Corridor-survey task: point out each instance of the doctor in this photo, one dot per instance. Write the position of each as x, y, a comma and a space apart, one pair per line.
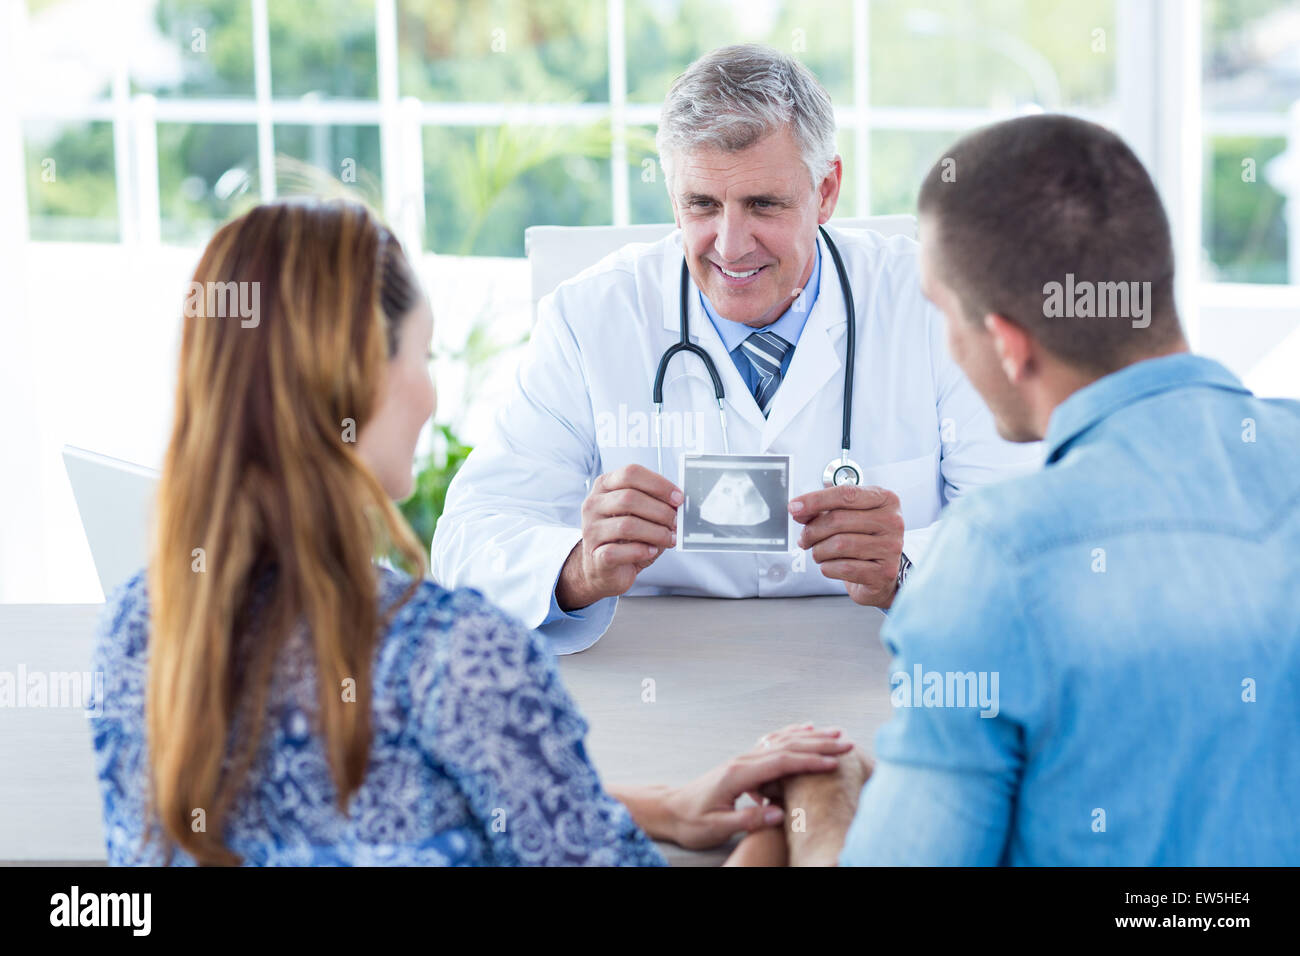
565, 506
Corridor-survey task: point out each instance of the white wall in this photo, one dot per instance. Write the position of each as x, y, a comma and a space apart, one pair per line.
1255, 331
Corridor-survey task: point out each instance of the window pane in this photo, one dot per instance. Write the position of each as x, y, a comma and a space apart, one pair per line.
483, 186
1244, 229
71, 191
1250, 66
486, 51
206, 175
197, 48
899, 161
1251, 55
647, 193
665, 36
325, 47
327, 159
847, 205
65, 56
996, 54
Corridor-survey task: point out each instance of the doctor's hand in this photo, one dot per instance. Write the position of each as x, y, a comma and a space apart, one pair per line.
856, 536
628, 520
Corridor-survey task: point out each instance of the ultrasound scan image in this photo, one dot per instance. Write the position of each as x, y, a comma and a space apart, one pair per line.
735, 500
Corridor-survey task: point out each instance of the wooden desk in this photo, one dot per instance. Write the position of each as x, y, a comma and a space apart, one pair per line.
724, 672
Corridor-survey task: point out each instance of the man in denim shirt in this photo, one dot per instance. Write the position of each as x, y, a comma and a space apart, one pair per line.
1100, 664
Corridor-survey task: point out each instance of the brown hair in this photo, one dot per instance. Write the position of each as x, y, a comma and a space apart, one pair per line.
1023, 203
261, 474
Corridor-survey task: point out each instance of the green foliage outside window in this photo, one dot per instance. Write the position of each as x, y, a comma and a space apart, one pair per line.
941, 53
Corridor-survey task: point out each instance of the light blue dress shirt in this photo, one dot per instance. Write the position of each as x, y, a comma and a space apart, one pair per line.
1138, 602
789, 326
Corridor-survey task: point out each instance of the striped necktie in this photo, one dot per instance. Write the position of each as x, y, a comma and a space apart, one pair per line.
766, 351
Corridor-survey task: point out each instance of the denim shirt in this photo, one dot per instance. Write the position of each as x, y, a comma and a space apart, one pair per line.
1127, 621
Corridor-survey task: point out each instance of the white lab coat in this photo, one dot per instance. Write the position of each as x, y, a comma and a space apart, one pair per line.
581, 406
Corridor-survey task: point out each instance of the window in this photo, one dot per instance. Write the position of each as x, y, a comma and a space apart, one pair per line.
191, 49
471, 119
206, 173
526, 112
1251, 98
71, 186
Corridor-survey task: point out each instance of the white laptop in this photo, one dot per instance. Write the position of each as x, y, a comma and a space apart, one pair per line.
115, 499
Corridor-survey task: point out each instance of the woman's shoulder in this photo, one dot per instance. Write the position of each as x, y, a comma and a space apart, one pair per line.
462, 635
459, 615
432, 628
431, 608
119, 654
124, 622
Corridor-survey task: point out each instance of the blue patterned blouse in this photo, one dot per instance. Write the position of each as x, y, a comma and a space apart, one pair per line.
477, 758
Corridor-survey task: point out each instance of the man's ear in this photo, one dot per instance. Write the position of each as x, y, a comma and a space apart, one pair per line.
828, 192
1012, 344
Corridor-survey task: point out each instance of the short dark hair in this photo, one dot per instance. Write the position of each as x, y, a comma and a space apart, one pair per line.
1046, 199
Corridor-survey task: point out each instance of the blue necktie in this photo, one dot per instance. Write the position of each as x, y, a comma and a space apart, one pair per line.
766, 351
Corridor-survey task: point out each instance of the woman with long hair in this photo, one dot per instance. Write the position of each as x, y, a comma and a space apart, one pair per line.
273, 693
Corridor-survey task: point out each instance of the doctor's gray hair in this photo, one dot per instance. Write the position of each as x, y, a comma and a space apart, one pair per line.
732, 97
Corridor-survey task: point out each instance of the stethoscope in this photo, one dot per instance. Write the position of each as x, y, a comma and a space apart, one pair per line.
841, 470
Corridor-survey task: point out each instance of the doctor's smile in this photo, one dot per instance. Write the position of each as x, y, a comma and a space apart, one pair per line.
737, 278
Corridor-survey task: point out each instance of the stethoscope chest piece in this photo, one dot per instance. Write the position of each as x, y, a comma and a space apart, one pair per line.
842, 471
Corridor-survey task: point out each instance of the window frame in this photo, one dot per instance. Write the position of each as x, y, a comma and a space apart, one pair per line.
1156, 107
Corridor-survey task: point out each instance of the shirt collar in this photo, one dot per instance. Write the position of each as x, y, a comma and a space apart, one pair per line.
1110, 393
789, 326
